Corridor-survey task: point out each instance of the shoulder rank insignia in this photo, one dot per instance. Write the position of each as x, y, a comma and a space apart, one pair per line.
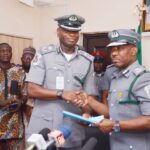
36, 59
47, 49
138, 71
86, 55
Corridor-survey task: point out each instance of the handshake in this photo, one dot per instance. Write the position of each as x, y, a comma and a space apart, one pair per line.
78, 98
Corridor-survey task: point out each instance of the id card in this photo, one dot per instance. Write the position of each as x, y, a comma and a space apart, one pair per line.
59, 82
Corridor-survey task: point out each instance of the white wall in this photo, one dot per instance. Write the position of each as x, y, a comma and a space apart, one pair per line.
19, 19
100, 15
146, 51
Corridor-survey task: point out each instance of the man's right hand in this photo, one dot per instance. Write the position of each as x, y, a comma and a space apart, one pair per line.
78, 98
6, 103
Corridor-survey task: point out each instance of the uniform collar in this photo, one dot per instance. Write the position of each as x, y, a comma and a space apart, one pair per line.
99, 74
126, 72
59, 50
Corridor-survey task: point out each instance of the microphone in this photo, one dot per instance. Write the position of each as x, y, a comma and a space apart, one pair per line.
44, 132
37, 141
90, 144
57, 137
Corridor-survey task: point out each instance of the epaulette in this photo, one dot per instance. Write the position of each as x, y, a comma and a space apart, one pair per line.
110, 66
138, 71
48, 49
86, 55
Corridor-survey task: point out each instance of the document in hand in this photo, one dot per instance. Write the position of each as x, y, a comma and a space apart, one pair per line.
91, 120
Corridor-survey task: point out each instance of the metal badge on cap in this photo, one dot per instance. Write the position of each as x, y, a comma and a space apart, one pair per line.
114, 34
73, 18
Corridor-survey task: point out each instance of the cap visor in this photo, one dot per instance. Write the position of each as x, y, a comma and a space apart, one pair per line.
116, 44
70, 28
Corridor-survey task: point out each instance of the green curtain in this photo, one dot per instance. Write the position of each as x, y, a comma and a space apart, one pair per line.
148, 2
139, 54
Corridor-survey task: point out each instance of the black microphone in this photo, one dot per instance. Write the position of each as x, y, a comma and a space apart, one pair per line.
38, 141
90, 144
52, 147
44, 132
48, 140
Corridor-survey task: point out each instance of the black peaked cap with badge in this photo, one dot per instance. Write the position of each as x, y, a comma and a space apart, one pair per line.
123, 37
70, 22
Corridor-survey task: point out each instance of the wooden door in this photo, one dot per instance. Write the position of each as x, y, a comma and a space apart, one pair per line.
96, 41
17, 44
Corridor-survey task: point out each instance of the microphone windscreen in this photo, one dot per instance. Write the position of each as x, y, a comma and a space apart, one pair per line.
66, 131
14, 89
90, 144
44, 132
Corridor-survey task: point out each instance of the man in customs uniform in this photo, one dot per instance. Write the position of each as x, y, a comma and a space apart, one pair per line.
129, 95
57, 77
99, 66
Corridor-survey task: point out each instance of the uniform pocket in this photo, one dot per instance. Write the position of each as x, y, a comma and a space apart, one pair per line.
39, 120
51, 73
44, 118
78, 79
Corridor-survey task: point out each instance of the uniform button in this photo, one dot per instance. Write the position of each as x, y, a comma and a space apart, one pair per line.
131, 147
55, 68
114, 90
112, 105
69, 65
110, 133
68, 81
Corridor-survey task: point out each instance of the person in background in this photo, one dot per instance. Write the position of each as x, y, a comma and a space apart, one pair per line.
99, 68
27, 56
102, 83
59, 78
11, 100
129, 95
99, 64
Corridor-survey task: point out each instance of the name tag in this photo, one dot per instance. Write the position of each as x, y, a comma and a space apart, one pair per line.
59, 82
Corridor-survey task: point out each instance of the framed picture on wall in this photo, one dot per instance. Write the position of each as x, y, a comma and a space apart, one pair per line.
146, 17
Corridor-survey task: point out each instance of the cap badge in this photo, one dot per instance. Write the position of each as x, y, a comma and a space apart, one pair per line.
114, 34
73, 18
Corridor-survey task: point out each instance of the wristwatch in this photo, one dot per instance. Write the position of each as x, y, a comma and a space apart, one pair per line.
116, 127
59, 93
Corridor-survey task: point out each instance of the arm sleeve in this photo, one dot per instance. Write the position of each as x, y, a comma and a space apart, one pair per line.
106, 81
141, 91
37, 70
89, 85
